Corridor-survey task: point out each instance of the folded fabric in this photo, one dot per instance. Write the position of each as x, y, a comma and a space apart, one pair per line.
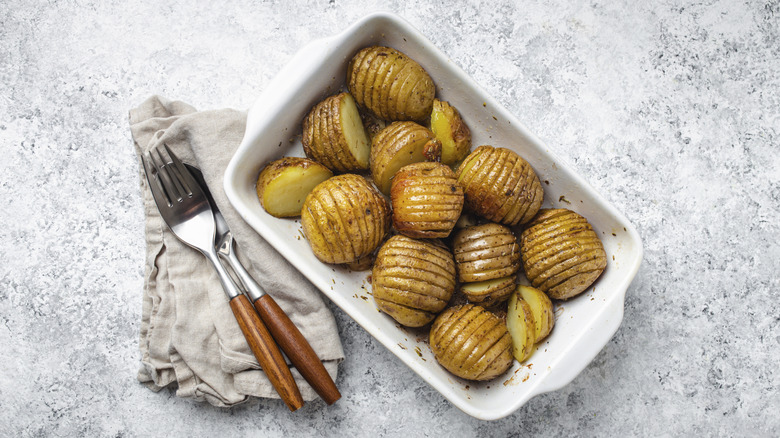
189, 335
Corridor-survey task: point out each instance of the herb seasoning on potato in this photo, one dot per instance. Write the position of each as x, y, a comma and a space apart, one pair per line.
390, 85
426, 199
500, 185
471, 342
333, 134
413, 279
400, 144
562, 255
283, 185
344, 219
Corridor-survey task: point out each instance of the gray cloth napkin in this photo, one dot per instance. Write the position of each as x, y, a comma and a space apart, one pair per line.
188, 332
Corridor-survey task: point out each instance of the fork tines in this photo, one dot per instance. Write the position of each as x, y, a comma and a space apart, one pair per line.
171, 177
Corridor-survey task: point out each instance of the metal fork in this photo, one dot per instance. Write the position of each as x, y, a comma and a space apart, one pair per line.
185, 208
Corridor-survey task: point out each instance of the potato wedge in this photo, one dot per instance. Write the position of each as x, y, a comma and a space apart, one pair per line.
426, 200
562, 254
390, 85
471, 342
283, 185
334, 135
485, 252
344, 219
489, 292
451, 130
397, 145
542, 309
500, 185
521, 326
413, 280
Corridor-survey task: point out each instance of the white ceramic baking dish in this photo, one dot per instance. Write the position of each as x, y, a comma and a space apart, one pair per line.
584, 325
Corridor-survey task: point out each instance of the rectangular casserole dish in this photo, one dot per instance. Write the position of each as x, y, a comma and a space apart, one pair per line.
584, 325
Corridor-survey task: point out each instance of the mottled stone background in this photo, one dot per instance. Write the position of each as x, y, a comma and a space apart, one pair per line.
670, 109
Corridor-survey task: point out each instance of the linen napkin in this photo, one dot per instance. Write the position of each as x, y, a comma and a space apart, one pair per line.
189, 335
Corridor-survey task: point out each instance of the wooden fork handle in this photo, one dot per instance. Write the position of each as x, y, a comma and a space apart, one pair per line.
297, 348
267, 352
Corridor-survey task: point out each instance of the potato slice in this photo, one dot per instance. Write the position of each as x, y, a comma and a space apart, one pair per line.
397, 145
521, 326
451, 130
489, 292
334, 135
542, 309
283, 185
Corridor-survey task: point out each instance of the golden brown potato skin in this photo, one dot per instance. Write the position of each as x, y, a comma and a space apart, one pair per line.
500, 185
471, 342
345, 219
397, 145
499, 291
451, 130
426, 200
324, 138
277, 168
485, 252
390, 84
561, 253
412, 279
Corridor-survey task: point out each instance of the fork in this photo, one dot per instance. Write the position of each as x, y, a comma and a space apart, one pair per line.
185, 208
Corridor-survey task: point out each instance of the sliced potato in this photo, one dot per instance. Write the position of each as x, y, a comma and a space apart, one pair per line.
471, 342
500, 185
334, 135
426, 200
344, 219
521, 326
413, 279
373, 124
542, 309
484, 252
489, 292
451, 130
397, 145
562, 254
390, 84
283, 185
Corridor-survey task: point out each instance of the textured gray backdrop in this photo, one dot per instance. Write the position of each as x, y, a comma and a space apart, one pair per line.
670, 109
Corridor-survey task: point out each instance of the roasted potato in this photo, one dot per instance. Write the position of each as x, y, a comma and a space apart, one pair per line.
426, 200
522, 327
561, 253
397, 145
344, 219
489, 292
283, 185
541, 308
413, 279
390, 85
471, 342
451, 130
500, 185
334, 135
486, 252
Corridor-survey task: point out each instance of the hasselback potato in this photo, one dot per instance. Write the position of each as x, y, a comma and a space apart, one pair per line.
397, 145
390, 84
471, 342
486, 252
561, 253
426, 200
412, 279
500, 185
333, 134
344, 219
